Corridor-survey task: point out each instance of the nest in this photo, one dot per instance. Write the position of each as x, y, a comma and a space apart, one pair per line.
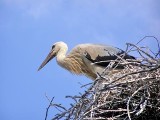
131, 94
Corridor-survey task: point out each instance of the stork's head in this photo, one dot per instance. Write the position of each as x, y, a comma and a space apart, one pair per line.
55, 49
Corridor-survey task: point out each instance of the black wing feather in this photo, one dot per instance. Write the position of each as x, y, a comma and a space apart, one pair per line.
98, 60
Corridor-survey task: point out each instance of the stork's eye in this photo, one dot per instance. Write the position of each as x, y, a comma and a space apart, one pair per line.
53, 46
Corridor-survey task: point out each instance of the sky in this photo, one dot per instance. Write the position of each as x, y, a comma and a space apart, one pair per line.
28, 28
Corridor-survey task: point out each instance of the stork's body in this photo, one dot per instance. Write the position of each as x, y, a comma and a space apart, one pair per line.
85, 59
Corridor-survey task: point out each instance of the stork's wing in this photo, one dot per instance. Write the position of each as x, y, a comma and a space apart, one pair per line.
102, 55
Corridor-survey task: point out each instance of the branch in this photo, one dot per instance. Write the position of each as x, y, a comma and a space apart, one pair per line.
50, 104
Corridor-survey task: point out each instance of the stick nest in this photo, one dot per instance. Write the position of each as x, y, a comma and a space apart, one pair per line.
130, 94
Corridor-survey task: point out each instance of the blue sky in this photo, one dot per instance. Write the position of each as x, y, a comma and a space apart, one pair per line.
28, 28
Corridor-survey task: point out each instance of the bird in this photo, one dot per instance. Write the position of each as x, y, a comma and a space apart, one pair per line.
85, 59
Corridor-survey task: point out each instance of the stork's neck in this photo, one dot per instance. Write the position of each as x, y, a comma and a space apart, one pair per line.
61, 55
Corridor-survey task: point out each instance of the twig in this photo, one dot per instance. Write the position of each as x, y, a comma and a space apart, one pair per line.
142, 51
48, 107
128, 112
85, 85
141, 71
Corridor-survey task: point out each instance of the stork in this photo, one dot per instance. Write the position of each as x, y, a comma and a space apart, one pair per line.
85, 59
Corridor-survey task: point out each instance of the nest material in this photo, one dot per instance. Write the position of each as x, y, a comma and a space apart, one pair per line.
131, 94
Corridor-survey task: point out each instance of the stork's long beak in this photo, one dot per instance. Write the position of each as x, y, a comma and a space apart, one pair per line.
50, 56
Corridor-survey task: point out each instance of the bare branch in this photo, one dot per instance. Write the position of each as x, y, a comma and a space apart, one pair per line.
48, 107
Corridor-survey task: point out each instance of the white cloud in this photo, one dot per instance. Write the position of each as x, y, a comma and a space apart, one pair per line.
39, 9
121, 8
34, 8
77, 11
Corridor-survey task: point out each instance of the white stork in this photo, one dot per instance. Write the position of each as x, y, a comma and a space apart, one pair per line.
85, 59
